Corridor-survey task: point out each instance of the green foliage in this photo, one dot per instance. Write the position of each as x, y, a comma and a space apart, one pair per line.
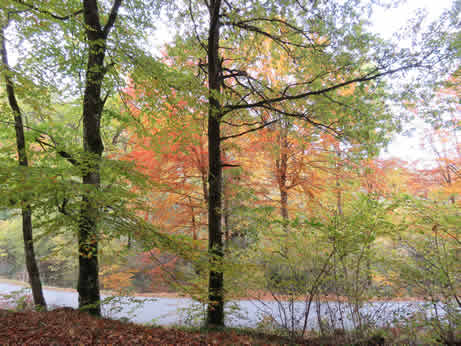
304, 261
55, 255
11, 247
428, 264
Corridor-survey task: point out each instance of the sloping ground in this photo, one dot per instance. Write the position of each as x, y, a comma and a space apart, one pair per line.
66, 326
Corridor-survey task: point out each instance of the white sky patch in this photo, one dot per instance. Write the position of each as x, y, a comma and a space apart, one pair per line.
388, 22
163, 35
408, 146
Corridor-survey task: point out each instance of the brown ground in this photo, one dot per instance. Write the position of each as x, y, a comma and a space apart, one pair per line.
66, 326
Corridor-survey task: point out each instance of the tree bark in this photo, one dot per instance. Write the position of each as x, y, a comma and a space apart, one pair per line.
339, 202
194, 223
88, 279
282, 167
215, 311
226, 213
31, 263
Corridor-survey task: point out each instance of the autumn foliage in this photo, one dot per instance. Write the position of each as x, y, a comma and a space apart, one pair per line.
66, 326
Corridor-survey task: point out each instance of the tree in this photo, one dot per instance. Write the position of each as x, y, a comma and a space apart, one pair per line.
26, 212
331, 80
328, 37
93, 104
65, 39
443, 138
173, 156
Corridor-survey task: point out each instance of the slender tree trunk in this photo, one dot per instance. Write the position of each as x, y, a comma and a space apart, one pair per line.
448, 180
128, 244
215, 312
204, 186
226, 216
31, 264
194, 223
369, 278
284, 204
339, 202
282, 168
88, 279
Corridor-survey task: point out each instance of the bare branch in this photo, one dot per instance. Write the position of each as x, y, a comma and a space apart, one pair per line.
250, 130
277, 22
242, 124
282, 43
304, 117
375, 74
112, 17
25, 126
233, 74
197, 36
53, 15
61, 153
43, 144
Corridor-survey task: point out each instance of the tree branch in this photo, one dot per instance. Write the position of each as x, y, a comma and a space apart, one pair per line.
53, 15
248, 131
367, 77
112, 17
42, 143
197, 36
240, 125
62, 153
303, 116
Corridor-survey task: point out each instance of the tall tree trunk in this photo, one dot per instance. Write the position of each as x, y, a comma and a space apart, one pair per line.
31, 264
215, 312
88, 278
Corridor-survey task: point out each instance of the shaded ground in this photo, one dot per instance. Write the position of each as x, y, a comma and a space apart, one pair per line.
66, 326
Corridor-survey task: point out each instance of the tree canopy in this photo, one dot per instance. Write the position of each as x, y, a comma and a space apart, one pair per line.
252, 139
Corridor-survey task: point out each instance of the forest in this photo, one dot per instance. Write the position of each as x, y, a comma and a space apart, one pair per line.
229, 151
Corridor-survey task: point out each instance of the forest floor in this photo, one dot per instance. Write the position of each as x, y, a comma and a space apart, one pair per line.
66, 326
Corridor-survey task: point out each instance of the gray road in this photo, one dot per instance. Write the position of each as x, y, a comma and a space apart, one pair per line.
248, 313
